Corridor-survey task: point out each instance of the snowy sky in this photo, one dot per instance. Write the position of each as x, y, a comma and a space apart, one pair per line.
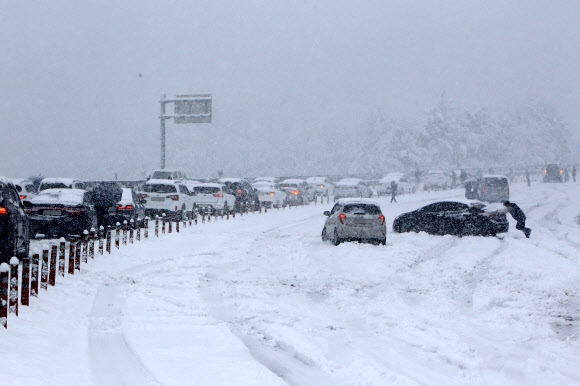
81, 82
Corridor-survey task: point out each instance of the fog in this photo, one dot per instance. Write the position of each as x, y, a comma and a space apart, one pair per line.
81, 83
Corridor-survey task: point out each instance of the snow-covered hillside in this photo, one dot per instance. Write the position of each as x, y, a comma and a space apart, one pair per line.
261, 300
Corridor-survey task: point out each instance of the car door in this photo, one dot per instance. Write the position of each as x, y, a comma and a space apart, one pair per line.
18, 217
332, 220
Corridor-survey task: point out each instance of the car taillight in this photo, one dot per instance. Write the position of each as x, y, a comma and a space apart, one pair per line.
295, 192
382, 219
218, 195
239, 192
174, 197
342, 218
125, 207
272, 194
3, 211
561, 171
22, 196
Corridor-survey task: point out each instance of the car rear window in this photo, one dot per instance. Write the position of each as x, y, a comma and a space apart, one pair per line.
498, 182
55, 185
206, 189
362, 208
160, 188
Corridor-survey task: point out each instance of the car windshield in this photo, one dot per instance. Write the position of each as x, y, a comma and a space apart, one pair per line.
362, 208
206, 189
160, 188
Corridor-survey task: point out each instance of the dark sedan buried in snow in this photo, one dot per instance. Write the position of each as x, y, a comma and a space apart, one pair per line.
355, 219
453, 218
61, 212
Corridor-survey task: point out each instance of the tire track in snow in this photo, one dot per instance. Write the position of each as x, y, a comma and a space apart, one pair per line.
112, 359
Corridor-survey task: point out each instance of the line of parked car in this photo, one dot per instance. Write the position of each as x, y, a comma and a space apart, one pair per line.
61, 207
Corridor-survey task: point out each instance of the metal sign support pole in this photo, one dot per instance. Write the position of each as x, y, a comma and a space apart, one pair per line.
162, 118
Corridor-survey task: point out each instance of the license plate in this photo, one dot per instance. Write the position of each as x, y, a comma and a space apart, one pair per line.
47, 212
157, 198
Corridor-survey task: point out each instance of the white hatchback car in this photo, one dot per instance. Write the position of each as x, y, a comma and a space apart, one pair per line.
351, 187
320, 186
166, 196
212, 198
269, 195
25, 188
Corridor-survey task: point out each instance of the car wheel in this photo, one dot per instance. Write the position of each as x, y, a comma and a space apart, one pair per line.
324, 236
383, 241
225, 208
336, 240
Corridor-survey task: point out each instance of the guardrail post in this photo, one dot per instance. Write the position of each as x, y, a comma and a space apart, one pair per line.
131, 230
163, 223
101, 236
93, 236
34, 274
146, 227
13, 305
170, 225
4, 272
79, 242
25, 291
44, 269
117, 234
108, 241
177, 225
85, 246
71, 256
62, 249
156, 225
138, 235
125, 232
52, 273
202, 217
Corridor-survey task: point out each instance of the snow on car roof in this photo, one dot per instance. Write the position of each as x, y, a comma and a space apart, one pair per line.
349, 182
162, 182
315, 180
51, 180
292, 181
19, 180
209, 184
493, 176
60, 196
229, 180
352, 200
391, 176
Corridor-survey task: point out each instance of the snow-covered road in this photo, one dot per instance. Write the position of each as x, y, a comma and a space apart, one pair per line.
260, 300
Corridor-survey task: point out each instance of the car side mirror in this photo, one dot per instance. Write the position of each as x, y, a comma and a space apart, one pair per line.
326, 213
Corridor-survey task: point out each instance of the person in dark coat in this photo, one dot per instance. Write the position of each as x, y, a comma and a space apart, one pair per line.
393, 190
105, 195
519, 216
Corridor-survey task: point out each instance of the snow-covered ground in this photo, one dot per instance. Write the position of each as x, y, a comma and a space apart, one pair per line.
261, 300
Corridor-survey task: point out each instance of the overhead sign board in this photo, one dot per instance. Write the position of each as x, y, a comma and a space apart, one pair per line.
192, 108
